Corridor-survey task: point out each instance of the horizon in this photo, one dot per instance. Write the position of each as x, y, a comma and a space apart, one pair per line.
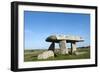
55, 48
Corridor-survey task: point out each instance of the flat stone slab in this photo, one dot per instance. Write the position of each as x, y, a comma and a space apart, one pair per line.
57, 38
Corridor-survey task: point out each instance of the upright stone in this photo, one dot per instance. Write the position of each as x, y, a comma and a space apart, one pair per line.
62, 45
73, 47
67, 50
52, 46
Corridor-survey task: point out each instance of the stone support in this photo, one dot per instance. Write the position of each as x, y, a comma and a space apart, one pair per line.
73, 47
62, 45
52, 46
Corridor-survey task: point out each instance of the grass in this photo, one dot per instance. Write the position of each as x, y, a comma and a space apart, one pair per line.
31, 55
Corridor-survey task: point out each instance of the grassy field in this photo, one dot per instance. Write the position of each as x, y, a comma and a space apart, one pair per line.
31, 55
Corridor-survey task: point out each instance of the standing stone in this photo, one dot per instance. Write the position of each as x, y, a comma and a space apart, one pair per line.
67, 50
62, 45
52, 46
73, 47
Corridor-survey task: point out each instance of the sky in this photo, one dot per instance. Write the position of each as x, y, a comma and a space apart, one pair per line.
39, 25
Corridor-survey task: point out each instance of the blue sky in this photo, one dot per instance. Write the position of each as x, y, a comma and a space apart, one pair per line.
39, 25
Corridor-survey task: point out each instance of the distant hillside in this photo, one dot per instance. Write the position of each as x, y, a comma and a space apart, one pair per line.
56, 49
84, 47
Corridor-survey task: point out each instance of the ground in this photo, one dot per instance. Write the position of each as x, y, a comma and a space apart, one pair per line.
31, 55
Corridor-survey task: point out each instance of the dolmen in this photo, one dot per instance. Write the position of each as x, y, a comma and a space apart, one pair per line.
62, 40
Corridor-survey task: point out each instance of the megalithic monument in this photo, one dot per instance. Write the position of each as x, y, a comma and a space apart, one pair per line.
63, 40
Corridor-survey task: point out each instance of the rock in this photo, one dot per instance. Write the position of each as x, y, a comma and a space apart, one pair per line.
63, 48
46, 55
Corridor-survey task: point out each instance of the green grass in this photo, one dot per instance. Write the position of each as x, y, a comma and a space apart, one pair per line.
31, 55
